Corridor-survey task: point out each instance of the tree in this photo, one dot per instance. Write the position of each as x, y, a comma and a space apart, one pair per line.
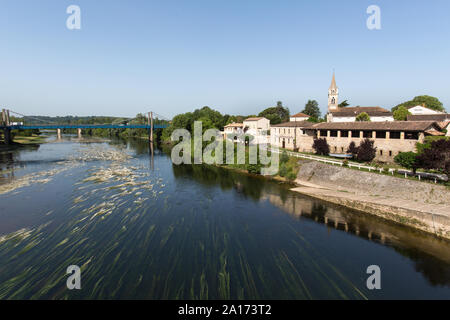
407, 160
401, 114
284, 157
276, 114
429, 102
363, 116
436, 157
366, 151
343, 104
321, 146
312, 109
353, 149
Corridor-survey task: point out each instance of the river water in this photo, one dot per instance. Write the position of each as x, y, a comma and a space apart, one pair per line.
143, 229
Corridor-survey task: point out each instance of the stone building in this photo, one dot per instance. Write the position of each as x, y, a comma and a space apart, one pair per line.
293, 135
389, 138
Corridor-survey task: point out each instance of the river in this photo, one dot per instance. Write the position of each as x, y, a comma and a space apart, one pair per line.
152, 230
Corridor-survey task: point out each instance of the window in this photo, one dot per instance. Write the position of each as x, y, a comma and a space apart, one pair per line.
381, 135
355, 134
333, 133
367, 134
344, 134
395, 135
381, 152
412, 135
390, 153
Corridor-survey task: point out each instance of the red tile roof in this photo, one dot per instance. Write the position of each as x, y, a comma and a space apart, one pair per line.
300, 115
354, 111
297, 124
386, 125
254, 119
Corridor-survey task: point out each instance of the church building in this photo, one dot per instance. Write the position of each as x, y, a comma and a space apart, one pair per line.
349, 114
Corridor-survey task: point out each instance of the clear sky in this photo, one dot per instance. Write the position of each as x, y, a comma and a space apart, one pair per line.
236, 56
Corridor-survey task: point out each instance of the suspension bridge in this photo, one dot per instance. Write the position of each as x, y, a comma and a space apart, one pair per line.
33, 123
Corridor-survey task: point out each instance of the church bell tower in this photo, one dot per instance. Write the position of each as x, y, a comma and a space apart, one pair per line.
333, 96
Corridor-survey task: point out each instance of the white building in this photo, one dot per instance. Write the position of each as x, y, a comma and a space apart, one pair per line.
422, 110
233, 129
258, 127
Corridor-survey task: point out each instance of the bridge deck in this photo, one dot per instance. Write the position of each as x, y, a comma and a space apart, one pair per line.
86, 126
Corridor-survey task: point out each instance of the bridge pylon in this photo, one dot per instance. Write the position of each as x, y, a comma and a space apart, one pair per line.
5, 123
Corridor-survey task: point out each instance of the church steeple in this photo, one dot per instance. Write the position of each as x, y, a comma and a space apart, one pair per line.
333, 82
333, 95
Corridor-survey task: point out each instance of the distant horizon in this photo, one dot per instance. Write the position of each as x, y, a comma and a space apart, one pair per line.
224, 113
236, 57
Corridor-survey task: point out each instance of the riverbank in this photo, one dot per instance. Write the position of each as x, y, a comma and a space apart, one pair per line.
23, 142
416, 204
422, 206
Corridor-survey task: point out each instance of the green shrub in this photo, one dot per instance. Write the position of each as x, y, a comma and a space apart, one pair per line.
254, 168
284, 157
291, 175
407, 160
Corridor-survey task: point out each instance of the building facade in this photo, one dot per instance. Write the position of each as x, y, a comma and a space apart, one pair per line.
293, 135
258, 127
389, 138
233, 129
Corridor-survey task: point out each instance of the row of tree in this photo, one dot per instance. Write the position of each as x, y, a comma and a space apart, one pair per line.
214, 119
74, 120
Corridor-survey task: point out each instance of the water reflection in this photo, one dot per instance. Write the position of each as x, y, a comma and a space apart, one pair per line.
10, 162
430, 255
195, 232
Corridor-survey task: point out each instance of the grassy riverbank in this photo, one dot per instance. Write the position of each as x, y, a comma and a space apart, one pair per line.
23, 142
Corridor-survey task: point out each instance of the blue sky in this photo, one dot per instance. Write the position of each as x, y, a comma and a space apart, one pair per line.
237, 56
